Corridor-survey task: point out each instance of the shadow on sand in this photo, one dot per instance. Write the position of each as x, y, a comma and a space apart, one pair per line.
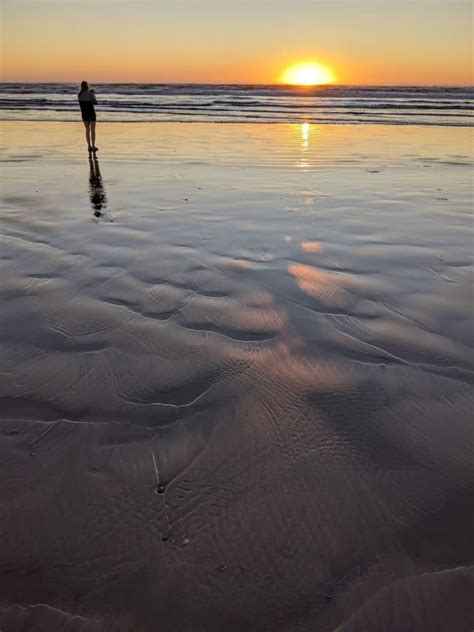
97, 193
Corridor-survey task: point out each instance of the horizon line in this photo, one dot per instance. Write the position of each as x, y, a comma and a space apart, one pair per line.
273, 85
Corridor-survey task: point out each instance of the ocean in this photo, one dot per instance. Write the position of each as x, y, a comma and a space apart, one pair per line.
447, 106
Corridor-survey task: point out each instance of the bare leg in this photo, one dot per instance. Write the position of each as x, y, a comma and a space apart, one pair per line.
88, 133
93, 133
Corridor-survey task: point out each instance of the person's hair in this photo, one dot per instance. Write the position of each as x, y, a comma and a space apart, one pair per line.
84, 87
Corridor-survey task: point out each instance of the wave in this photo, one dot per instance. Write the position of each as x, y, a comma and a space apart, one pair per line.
230, 103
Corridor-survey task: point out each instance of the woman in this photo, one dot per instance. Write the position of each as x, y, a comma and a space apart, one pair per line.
87, 101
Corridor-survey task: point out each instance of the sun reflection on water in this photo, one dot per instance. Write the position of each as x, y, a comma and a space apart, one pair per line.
304, 162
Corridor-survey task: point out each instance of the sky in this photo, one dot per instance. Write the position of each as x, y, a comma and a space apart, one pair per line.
422, 42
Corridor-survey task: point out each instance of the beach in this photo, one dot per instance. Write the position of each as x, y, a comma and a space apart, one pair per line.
236, 377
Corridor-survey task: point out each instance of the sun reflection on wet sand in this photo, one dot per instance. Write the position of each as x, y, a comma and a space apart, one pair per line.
313, 282
305, 135
304, 164
310, 246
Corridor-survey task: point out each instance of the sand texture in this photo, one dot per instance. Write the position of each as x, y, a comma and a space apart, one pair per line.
236, 379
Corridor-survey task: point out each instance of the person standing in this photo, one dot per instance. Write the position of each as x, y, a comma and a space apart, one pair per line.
87, 100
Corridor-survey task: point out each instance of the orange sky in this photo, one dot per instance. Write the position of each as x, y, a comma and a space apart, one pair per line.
236, 41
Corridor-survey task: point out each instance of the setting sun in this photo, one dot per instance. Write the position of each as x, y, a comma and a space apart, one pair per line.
307, 74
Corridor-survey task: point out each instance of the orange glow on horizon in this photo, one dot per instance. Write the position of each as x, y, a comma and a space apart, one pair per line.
182, 42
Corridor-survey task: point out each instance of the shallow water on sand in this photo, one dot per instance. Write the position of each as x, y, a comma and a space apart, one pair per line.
236, 369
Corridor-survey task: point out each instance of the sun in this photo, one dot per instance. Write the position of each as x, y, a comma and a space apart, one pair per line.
307, 74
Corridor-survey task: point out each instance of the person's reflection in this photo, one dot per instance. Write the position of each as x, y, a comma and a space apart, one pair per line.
96, 188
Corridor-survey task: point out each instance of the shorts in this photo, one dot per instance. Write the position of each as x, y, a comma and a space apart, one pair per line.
87, 111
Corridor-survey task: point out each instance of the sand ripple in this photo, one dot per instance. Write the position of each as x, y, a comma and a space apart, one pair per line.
217, 418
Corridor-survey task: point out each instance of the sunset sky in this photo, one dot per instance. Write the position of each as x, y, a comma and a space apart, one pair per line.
236, 41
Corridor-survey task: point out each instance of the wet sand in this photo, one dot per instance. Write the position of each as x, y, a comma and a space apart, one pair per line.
236, 379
